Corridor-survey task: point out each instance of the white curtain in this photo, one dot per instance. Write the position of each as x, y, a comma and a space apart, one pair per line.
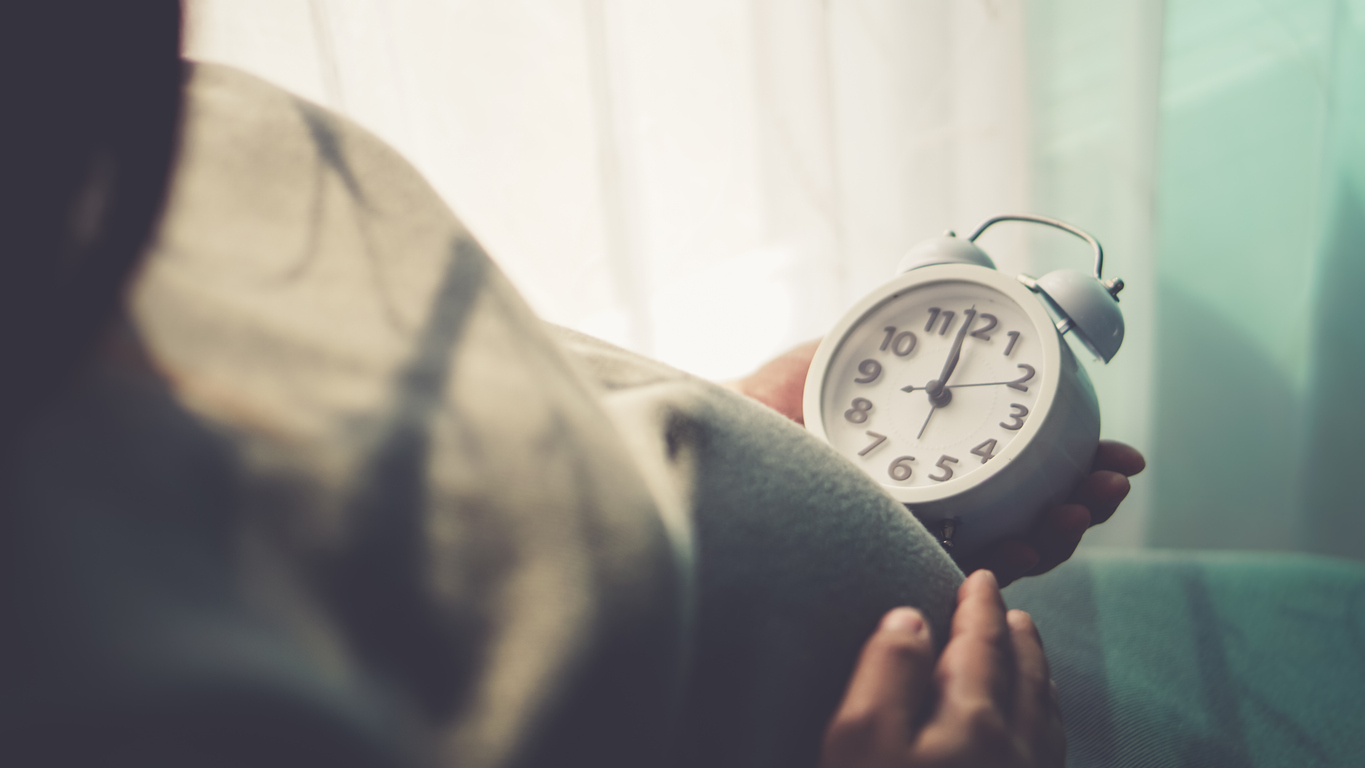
710, 182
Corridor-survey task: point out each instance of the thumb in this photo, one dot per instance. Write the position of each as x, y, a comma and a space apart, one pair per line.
889, 690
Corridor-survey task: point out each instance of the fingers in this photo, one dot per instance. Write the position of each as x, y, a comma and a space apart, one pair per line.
976, 678
994, 702
1114, 456
1048, 545
780, 383
1107, 484
977, 665
1058, 534
1033, 688
1101, 492
1059, 530
1093, 501
1037, 711
888, 693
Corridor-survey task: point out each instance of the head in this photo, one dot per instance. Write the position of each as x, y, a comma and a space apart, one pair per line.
92, 92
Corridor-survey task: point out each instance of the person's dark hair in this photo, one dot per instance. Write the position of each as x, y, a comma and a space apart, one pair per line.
92, 93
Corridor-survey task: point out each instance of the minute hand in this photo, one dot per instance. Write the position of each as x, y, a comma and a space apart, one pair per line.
936, 387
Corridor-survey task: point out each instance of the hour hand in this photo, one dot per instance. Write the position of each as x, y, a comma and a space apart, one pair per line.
938, 396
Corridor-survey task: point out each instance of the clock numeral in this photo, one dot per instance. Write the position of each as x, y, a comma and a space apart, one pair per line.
870, 370
900, 468
984, 332
1019, 382
943, 462
1014, 339
986, 450
1017, 417
947, 323
902, 343
934, 314
858, 413
876, 441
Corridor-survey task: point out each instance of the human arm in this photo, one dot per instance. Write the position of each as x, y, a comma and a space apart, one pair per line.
987, 702
779, 384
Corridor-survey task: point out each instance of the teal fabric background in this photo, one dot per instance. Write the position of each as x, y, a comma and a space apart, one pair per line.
1260, 267
1233, 134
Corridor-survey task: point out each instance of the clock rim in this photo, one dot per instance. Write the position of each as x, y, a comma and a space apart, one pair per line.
816, 376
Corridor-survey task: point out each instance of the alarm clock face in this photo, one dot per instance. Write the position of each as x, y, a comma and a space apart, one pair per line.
881, 406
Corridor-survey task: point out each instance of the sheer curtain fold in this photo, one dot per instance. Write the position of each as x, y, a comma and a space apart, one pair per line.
707, 182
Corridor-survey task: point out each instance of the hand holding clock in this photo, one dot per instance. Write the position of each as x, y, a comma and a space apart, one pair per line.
779, 384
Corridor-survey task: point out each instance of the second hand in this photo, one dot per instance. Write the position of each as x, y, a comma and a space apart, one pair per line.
926, 421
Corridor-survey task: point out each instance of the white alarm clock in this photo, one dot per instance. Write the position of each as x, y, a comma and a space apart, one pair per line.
952, 387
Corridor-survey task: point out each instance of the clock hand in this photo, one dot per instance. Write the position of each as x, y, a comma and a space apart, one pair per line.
981, 384
932, 408
912, 387
939, 395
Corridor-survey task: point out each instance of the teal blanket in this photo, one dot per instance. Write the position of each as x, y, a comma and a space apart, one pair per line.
1204, 659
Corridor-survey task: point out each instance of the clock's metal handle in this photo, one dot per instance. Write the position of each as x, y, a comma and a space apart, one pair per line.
1062, 225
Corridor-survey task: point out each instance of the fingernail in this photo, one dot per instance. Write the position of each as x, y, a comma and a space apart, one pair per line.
906, 620
1018, 619
988, 577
